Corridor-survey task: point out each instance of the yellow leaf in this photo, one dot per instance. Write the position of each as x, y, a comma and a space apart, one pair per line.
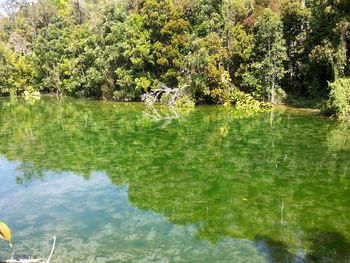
5, 232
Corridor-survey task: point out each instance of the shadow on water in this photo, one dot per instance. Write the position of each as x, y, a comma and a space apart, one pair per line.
327, 246
276, 251
324, 246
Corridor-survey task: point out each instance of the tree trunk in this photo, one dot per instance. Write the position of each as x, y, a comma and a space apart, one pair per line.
273, 89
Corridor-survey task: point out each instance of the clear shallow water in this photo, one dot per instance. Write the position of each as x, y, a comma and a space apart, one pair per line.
116, 183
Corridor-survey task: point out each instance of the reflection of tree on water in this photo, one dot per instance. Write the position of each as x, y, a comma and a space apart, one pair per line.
165, 113
327, 246
339, 138
227, 175
324, 246
29, 173
275, 251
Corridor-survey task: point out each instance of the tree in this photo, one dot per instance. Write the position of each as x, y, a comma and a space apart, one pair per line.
338, 104
7, 59
128, 52
296, 19
206, 72
270, 52
124, 49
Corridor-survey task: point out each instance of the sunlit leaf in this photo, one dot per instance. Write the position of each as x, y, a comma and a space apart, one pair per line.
5, 232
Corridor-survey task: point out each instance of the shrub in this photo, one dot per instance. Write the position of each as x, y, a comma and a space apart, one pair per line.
338, 104
185, 101
244, 101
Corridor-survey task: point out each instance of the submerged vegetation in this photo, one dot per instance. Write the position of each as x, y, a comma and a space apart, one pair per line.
240, 52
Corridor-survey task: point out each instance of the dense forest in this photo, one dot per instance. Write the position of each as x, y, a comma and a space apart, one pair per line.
239, 52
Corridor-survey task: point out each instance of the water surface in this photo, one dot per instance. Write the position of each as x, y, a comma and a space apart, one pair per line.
118, 183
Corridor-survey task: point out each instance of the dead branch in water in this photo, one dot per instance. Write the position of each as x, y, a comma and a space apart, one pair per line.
173, 94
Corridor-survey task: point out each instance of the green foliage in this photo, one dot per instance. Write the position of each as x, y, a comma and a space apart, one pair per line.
7, 59
67, 61
244, 101
296, 27
326, 54
338, 104
123, 50
206, 68
185, 102
270, 53
17, 73
130, 57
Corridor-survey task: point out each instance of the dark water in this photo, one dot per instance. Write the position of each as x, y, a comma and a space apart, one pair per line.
117, 183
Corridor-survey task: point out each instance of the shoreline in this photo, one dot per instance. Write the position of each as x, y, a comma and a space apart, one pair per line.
277, 106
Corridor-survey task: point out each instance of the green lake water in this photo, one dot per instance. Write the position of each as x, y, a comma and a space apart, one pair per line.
121, 183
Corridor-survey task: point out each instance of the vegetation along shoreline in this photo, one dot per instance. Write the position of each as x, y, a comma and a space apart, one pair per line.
250, 54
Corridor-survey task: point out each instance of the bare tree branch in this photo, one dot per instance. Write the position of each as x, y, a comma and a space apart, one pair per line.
173, 94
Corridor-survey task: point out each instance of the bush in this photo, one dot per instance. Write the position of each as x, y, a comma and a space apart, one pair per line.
338, 104
185, 101
244, 101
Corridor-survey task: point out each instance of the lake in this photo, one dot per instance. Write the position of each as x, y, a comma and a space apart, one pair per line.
117, 182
